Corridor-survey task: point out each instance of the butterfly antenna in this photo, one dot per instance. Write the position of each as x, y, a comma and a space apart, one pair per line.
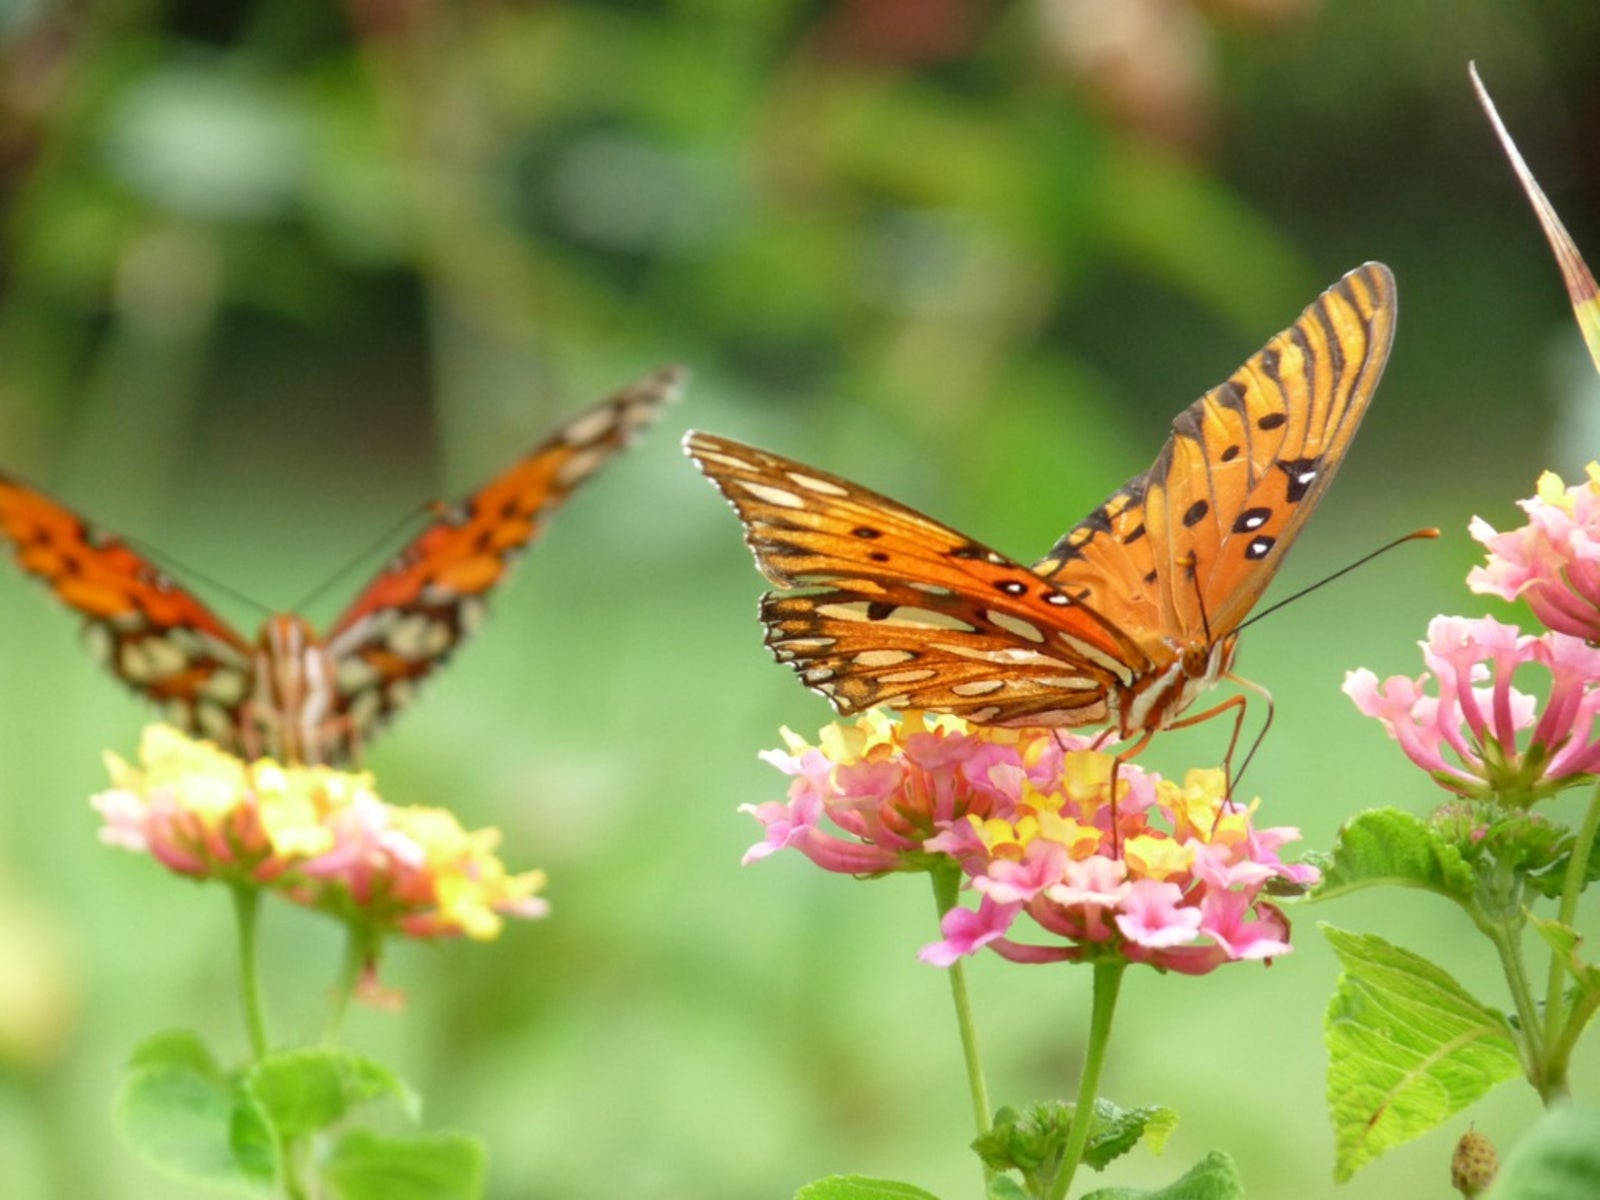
1199, 596
372, 548
1415, 535
174, 566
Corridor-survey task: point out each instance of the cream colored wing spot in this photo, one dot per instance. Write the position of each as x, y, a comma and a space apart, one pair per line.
984, 714
932, 589
470, 614
213, 721
812, 484
698, 449
923, 618
916, 676
1006, 656
581, 465
1072, 683
772, 495
882, 658
226, 686
817, 674
590, 427
977, 687
1016, 625
99, 641
399, 693
364, 709
407, 637
355, 673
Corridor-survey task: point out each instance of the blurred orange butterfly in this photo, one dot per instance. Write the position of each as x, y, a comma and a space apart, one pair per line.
294, 694
1131, 615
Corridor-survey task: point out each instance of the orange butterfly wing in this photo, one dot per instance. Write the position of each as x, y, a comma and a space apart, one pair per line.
408, 620
882, 605
153, 635
1185, 550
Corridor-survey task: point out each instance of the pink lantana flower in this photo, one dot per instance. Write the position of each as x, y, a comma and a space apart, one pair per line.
1552, 562
1480, 737
1027, 816
320, 837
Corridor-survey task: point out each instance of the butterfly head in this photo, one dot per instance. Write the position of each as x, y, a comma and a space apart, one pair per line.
1157, 698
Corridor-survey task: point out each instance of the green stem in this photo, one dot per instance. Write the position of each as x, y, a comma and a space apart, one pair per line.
946, 884
1571, 888
357, 953
246, 902
1504, 930
1560, 1033
1107, 982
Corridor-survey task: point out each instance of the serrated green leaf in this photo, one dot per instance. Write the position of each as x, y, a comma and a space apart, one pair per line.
306, 1090
1558, 1159
181, 1113
1214, 1177
1118, 1130
859, 1187
424, 1166
1407, 1047
1387, 846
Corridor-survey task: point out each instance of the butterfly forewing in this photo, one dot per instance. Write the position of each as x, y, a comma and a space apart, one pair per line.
882, 605
408, 620
1185, 550
154, 636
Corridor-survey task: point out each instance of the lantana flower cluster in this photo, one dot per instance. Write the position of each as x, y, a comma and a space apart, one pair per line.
320, 837
1174, 879
1464, 720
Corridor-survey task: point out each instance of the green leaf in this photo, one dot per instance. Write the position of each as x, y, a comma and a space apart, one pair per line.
426, 1166
1389, 846
859, 1187
1033, 1140
182, 1114
1214, 1177
1559, 1159
1407, 1047
1003, 1187
306, 1090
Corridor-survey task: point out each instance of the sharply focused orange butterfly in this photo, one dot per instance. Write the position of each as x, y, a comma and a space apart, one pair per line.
294, 694
1131, 615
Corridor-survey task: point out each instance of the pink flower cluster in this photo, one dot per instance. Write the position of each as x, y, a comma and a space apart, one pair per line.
320, 837
1027, 814
1474, 732
1552, 562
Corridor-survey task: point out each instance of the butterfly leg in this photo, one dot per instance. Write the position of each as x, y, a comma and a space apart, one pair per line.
1237, 706
1117, 760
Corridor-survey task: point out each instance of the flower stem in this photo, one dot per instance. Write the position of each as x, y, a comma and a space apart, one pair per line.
246, 902
1558, 1045
1107, 982
356, 956
946, 884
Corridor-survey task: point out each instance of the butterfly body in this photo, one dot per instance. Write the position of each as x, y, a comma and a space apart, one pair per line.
297, 694
1131, 616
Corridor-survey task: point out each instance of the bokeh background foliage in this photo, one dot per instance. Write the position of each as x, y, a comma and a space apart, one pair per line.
270, 274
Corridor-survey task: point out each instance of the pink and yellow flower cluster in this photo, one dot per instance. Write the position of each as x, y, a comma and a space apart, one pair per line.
320, 837
1027, 815
1463, 720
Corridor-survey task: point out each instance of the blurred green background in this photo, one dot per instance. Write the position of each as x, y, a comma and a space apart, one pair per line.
273, 273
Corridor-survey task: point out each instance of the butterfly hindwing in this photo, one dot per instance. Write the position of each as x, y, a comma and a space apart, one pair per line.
409, 619
152, 634
1186, 549
879, 604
